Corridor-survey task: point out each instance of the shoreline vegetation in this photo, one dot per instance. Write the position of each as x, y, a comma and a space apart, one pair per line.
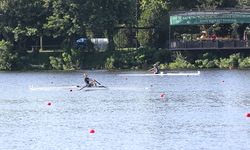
178, 60
76, 35
133, 59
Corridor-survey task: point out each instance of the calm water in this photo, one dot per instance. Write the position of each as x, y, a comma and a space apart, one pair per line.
198, 112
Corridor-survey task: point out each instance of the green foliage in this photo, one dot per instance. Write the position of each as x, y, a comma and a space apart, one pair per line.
66, 20
121, 39
163, 66
207, 61
67, 61
222, 63
104, 16
140, 58
231, 62
21, 19
7, 57
209, 4
154, 15
183, 4
24, 21
109, 64
56, 63
234, 60
180, 63
244, 63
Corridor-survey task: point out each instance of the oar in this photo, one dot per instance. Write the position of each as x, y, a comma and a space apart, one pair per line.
82, 88
97, 82
100, 84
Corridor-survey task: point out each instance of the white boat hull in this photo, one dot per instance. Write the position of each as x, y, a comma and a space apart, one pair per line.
165, 74
95, 88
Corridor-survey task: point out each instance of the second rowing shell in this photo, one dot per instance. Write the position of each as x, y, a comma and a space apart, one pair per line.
166, 74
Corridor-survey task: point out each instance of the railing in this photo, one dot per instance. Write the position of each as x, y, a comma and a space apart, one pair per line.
209, 44
45, 48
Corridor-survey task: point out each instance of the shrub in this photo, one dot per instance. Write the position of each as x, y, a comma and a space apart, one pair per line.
206, 63
121, 39
7, 57
163, 66
68, 60
222, 63
110, 63
180, 63
56, 63
245, 63
231, 62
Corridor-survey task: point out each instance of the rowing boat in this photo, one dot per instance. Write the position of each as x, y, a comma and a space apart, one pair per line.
93, 88
166, 74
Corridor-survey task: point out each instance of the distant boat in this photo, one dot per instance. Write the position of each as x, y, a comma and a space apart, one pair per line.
166, 74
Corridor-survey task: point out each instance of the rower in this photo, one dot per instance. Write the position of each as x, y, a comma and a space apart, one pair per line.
89, 82
155, 69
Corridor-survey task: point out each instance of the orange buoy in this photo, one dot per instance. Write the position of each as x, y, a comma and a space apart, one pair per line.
92, 131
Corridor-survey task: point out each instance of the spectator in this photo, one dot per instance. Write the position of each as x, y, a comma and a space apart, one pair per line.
203, 35
213, 37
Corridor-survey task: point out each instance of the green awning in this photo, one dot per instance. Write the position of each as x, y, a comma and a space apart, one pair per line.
198, 18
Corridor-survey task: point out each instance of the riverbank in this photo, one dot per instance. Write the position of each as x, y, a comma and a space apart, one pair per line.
132, 59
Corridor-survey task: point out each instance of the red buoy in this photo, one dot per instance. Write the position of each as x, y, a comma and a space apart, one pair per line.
162, 95
49, 103
92, 131
248, 115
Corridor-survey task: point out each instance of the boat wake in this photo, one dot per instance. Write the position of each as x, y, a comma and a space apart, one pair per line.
53, 88
129, 88
79, 88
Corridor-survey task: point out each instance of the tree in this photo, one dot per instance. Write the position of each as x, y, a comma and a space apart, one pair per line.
25, 20
105, 15
66, 20
244, 3
229, 3
182, 4
154, 18
209, 4
7, 57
